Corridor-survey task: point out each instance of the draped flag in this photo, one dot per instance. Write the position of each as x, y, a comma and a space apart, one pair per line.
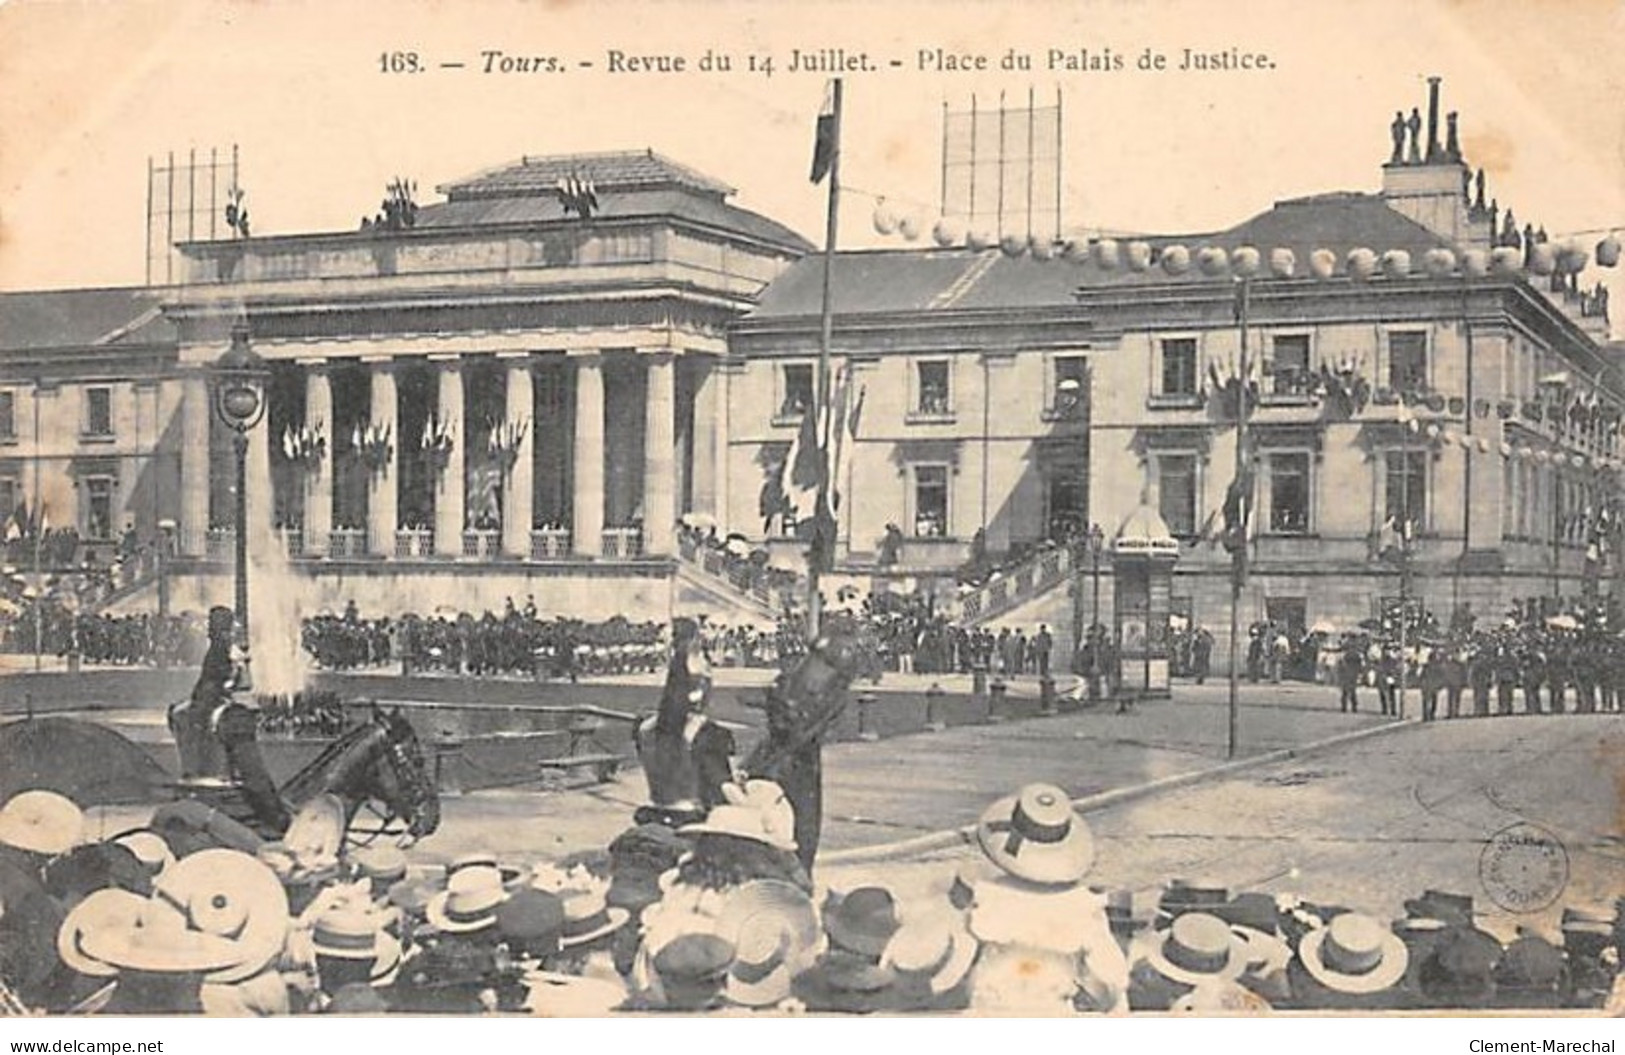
824, 145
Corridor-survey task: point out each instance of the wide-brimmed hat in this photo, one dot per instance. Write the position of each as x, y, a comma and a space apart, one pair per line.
588, 916
554, 995
774, 929
105, 910
41, 822
149, 848
481, 861
1197, 947
531, 921
693, 970
232, 895
1036, 835
1353, 954
933, 950
350, 932
861, 921
469, 902
159, 941
745, 820
383, 866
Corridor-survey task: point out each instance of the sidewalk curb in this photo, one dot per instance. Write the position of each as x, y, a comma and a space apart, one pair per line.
966, 836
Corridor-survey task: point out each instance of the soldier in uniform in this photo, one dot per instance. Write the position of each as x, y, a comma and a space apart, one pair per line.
1585, 681
1532, 665
1388, 669
1505, 663
1432, 679
1480, 673
1558, 669
1453, 669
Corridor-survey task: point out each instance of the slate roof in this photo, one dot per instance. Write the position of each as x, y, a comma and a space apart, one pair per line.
78, 318
904, 280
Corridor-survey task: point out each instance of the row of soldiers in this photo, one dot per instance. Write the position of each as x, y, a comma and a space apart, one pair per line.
1554, 669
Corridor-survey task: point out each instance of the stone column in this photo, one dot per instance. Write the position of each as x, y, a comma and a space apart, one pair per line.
319, 477
705, 468
518, 496
587, 522
660, 455
451, 485
383, 505
196, 415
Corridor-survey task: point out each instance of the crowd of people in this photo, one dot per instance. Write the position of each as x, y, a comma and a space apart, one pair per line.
519, 641
1534, 661
718, 914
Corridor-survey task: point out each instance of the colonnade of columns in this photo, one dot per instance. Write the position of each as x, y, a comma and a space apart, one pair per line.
592, 455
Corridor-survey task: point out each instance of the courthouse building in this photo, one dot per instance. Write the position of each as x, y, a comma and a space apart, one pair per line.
511, 398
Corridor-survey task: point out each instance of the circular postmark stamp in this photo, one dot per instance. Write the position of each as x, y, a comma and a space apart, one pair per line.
1523, 867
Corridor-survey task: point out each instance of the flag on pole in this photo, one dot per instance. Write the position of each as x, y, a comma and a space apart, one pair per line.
803, 468
1238, 510
824, 145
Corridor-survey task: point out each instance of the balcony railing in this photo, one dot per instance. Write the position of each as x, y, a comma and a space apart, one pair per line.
482, 543
550, 544
622, 542
346, 543
221, 544
1038, 573
414, 542
293, 541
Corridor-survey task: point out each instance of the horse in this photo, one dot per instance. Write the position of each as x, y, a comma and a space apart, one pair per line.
378, 766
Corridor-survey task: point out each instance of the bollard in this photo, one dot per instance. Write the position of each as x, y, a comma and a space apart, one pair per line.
1046, 696
933, 716
866, 732
995, 700
978, 682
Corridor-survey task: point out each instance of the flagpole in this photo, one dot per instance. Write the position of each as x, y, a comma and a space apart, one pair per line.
1238, 558
826, 326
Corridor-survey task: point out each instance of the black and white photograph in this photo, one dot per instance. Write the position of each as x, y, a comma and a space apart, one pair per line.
743, 510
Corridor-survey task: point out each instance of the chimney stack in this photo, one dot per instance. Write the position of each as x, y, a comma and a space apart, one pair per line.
1434, 150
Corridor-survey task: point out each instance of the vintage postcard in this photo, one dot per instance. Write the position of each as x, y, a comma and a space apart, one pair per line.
751, 509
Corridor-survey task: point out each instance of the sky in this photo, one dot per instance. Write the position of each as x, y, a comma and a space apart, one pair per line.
90, 90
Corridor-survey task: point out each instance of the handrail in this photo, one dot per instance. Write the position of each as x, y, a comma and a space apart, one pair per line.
1017, 584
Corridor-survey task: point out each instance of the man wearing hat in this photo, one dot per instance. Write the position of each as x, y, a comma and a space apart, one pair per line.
1197, 949
1350, 963
37, 827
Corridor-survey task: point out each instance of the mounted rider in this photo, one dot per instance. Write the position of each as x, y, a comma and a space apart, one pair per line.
216, 730
686, 756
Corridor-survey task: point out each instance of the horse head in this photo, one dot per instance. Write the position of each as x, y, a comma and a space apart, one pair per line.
404, 781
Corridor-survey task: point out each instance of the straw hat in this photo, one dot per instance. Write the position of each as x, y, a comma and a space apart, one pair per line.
1197, 948
469, 902
570, 996
774, 929
105, 910
383, 866
149, 848
588, 916
756, 816
1036, 835
934, 951
1354, 954
231, 895
41, 822
348, 932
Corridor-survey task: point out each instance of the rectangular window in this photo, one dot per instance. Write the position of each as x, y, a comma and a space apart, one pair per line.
797, 395
8, 499
98, 411
1289, 493
1176, 492
930, 501
1071, 382
8, 415
1407, 492
934, 395
1178, 366
98, 507
1287, 371
1408, 360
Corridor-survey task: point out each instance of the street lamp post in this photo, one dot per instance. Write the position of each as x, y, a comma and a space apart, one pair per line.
166, 542
240, 377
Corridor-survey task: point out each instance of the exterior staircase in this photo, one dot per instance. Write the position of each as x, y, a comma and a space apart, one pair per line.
708, 578
1017, 586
